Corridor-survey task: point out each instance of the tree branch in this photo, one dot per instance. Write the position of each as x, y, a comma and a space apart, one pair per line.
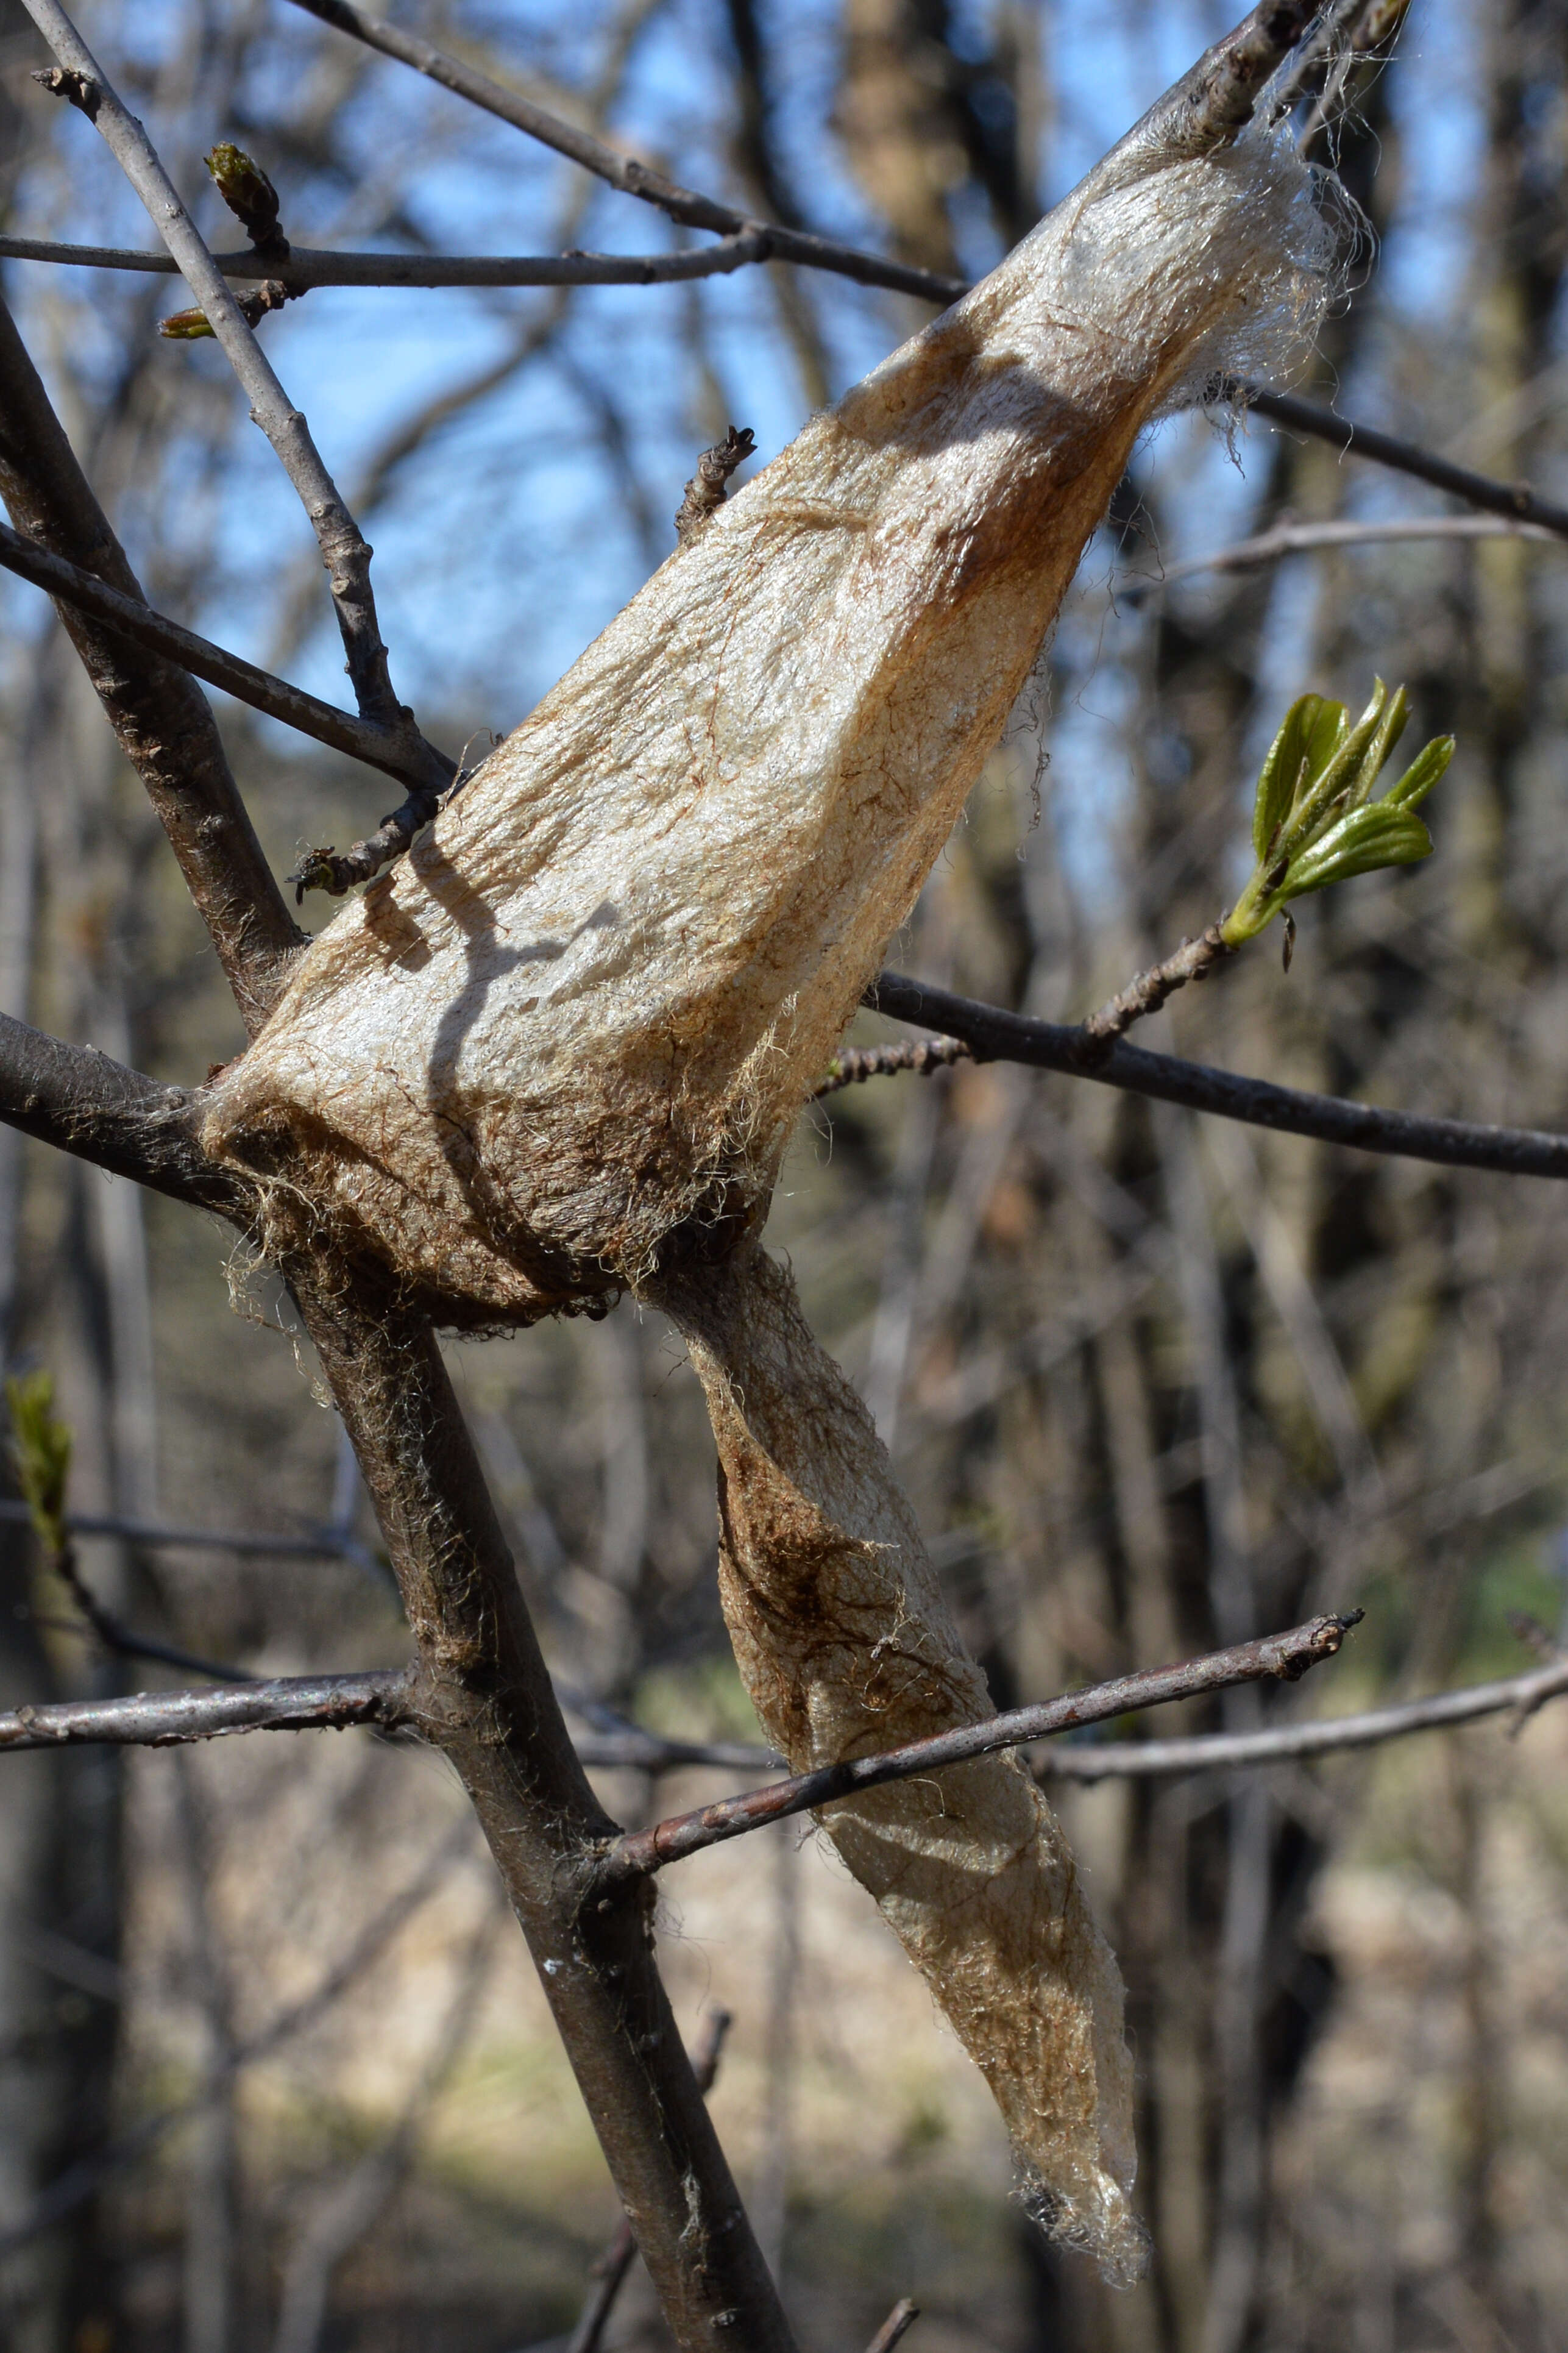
79, 1099
161, 718
611, 2269
307, 268
622, 171
1515, 500
1303, 538
853, 1065
344, 548
896, 2327
1275, 1657
483, 1696
164, 1719
993, 1035
130, 618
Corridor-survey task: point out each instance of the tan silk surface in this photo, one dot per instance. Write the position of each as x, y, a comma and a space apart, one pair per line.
576, 1024
847, 1647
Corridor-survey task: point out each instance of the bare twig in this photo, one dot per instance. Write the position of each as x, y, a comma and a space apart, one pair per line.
117, 1638
994, 1035
164, 1719
344, 548
611, 2268
707, 489
899, 2322
1137, 1760
622, 171
856, 1064
1275, 1657
308, 268
160, 717
1515, 500
1303, 538
327, 1545
322, 722
1194, 960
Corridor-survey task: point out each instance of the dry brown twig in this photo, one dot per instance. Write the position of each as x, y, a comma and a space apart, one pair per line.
900, 2321
707, 488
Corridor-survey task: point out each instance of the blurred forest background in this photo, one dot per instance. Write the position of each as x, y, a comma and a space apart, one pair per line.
274, 2075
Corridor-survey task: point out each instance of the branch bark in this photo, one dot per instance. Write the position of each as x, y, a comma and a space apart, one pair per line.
76, 1098
160, 716
483, 1696
994, 1035
1275, 1657
308, 267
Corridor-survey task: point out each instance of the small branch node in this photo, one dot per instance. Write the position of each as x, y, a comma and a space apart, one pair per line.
79, 89
706, 491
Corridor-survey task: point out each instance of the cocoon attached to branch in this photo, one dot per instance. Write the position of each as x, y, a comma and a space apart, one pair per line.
847, 1647
560, 1050
564, 1042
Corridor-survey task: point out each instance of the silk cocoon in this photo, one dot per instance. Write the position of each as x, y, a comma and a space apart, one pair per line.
847, 1648
566, 1039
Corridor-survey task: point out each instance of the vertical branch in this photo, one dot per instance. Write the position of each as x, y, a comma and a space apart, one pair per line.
485, 1699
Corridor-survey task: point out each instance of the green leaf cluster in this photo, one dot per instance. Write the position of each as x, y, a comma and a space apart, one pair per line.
1315, 821
41, 1449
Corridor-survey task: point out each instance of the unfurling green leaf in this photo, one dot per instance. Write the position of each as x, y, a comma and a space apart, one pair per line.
1314, 820
41, 1449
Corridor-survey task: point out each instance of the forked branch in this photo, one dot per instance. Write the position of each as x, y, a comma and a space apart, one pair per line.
994, 1035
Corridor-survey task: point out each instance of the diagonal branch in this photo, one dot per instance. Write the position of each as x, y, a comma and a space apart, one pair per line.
344, 548
133, 1126
138, 622
1274, 1657
624, 172
1305, 538
993, 1035
161, 718
1515, 500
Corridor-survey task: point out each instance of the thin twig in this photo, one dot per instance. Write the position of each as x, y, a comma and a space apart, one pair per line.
902, 2318
624, 172
164, 1719
328, 1545
117, 1638
344, 547
1515, 500
1302, 538
309, 268
612, 2266
709, 486
1194, 960
856, 1064
1136, 1759
1274, 1657
322, 722
994, 1035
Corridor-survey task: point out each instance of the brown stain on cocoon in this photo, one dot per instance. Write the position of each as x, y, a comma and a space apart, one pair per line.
565, 1041
847, 1647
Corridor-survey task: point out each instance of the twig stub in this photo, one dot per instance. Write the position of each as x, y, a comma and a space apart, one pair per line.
707, 491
